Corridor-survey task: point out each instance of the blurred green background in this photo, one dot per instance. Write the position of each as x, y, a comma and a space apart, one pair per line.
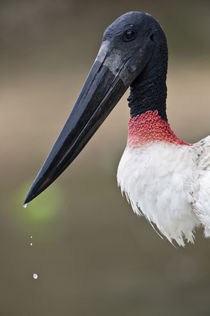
92, 254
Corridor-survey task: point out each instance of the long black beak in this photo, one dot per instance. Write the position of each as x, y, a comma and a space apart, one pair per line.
107, 81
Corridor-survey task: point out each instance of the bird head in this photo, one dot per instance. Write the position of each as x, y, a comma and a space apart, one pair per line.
131, 47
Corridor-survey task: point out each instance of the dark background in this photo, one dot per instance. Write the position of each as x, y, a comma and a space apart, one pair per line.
92, 254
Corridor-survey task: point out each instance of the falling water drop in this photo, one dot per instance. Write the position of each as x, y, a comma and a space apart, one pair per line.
35, 276
31, 236
25, 205
31, 244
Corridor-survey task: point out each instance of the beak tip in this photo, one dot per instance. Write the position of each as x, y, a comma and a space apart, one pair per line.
29, 198
38, 186
32, 193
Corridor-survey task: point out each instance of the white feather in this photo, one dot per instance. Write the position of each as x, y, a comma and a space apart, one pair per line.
170, 185
201, 185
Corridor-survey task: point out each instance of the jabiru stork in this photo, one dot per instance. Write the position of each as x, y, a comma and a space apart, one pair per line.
164, 178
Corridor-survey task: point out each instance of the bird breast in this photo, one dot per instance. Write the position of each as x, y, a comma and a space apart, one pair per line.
158, 180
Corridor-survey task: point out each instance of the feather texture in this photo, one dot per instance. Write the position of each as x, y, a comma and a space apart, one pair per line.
201, 184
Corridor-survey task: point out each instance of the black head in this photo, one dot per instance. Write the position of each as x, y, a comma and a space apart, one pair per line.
135, 35
134, 27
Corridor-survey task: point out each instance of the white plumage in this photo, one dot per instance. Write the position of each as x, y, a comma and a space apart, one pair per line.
170, 185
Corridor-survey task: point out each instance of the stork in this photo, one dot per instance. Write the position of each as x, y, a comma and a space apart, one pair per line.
164, 178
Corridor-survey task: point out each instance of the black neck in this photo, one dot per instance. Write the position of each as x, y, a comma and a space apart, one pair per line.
149, 91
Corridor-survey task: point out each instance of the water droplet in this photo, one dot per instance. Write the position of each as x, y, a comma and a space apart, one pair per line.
31, 244
35, 276
31, 236
25, 205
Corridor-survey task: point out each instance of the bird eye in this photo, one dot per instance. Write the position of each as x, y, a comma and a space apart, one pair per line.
152, 37
129, 35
